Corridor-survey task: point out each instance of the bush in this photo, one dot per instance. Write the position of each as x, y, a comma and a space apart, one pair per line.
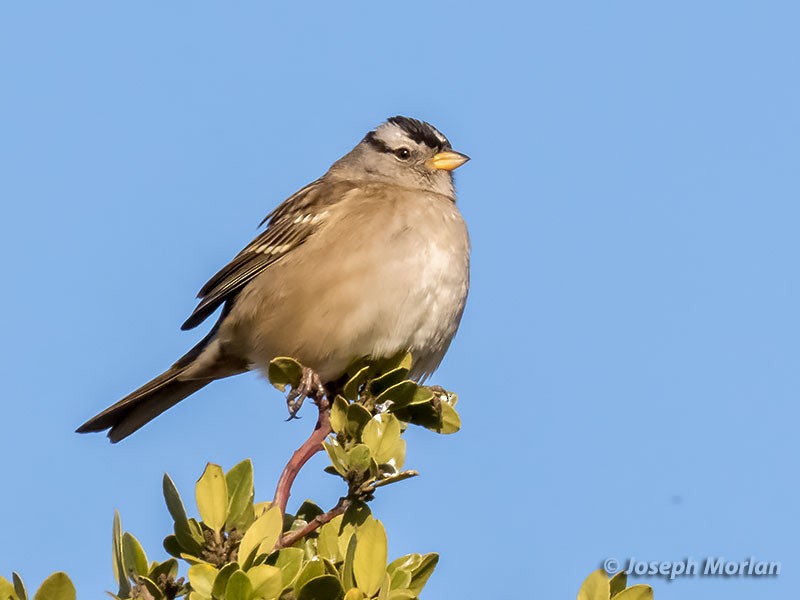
240, 549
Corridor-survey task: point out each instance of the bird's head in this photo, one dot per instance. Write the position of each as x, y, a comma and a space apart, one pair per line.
406, 152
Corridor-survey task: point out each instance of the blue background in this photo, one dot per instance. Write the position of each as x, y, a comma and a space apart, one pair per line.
627, 364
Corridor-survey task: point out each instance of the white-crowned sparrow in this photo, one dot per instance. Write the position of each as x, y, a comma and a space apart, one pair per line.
370, 260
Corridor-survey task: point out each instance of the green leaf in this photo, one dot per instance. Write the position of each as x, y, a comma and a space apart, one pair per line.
353, 384
440, 417
450, 421
118, 561
56, 587
221, 581
423, 571
409, 562
402, 595
211, 493
327, 542
325, 587
194, 560
19, 586
354, 594
382, 435
311, 570
7, 591
383, 591
261, 507
173, 500
402, 360
330, 568
239, 481
399, 457
595, 587
308, 511
239, 587
337, 455
267, 582
242, 522
202, 579
617, 583
369, 562
357, 417
400, 579
348, 577
422, 395
283, 371
358, 458
636, 592
338, 416
168, 568
390, 380
400, 395
262, 535
190, 537
152, 588
133, 554
355, 516
289, 561
172, 546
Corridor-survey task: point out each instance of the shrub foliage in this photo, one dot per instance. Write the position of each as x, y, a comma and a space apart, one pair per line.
240, 549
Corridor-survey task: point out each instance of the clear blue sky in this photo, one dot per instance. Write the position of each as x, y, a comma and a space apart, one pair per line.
629, 361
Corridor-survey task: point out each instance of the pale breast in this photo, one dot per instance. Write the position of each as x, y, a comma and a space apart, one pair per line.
388, 272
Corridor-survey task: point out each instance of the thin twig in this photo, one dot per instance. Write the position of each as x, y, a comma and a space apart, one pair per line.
302, 455
291, 537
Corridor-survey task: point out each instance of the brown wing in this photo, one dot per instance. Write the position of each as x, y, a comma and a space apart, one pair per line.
288, 226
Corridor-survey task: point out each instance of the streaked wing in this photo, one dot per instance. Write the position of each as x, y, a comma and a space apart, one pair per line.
288, 226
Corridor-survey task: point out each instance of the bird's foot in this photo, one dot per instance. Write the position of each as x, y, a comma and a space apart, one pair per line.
310, 387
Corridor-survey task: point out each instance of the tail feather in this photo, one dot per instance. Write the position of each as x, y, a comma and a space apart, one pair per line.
163, 392
143, 405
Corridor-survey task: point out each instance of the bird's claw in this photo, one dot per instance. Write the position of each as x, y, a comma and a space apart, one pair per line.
310, 387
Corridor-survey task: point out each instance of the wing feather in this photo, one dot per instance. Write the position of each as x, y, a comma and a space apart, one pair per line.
288, 226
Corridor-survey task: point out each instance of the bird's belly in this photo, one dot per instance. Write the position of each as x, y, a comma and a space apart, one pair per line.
406, 294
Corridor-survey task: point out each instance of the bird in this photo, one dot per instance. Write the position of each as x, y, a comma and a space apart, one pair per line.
368, 261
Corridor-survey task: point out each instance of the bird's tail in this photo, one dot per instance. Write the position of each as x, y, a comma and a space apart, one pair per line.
143, 405
154, 397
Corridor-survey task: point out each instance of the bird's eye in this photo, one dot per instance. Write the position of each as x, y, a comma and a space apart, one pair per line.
402, 153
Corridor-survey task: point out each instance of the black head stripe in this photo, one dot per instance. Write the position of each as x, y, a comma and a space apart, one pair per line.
421, 132
377, 143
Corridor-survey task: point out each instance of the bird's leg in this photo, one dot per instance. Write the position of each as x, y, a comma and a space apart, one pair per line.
310, 387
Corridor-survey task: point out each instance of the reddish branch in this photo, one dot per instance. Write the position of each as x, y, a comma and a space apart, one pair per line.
290, 538
302, 455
